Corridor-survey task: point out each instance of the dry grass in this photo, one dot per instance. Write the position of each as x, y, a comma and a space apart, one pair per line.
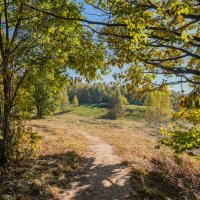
59, 135
51, 173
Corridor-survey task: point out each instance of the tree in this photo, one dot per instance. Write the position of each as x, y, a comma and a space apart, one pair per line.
115, 104
64, 100
31, 40
175, 99
124, 100
45, 97
75, 101
158, 107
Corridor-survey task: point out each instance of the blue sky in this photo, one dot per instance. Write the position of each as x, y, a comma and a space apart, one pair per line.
96, 15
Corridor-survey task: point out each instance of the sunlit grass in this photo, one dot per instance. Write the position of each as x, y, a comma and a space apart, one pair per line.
89, 110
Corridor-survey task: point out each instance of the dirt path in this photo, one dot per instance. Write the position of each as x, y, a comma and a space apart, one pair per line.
105, 176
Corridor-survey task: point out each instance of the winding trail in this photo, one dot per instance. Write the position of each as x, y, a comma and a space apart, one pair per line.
105, 176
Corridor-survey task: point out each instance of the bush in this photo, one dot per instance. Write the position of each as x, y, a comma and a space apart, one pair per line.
184, 135
168, 177
115, 113
115, 105
22, 142
179, 176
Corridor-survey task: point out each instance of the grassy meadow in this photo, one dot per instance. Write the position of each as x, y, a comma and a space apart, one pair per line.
132, 112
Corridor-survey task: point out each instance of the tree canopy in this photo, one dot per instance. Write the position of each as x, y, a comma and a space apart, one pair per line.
153, 38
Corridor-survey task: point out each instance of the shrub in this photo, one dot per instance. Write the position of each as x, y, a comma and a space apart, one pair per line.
22, 142
179, 176
75, 101
184, 135
115, 104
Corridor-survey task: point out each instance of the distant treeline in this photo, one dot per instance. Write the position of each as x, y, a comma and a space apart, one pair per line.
99, 93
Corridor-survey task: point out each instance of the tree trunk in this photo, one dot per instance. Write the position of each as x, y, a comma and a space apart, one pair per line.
4, 141
6, 101
3, 157
6, 113
39, 111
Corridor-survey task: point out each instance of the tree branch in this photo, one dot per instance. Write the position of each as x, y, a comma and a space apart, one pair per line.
177, 48
18, 85
76, 19
1, 39
176, 70
6, 21
169, 59
16, 26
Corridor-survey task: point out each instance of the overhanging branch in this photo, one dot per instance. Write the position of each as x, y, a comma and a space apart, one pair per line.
76, 18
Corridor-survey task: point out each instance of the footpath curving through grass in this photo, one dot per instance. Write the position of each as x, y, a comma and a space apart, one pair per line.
157, 173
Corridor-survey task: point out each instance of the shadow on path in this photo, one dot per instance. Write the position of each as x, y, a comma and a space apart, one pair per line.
50, 176
105, 175
106, 182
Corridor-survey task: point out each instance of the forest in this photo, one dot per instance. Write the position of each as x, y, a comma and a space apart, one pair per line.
67, 131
